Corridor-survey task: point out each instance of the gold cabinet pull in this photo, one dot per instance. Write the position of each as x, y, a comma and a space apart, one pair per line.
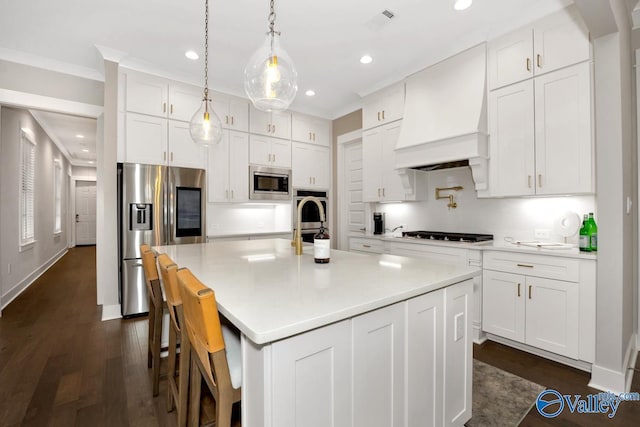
164, 107
529, 181
366, 246
274, 158
232, 194
231, 119
274, 128
539, 60
540, 180
310, 139
518, 290
171, 110
226, 120
314, 136
528, 64
164, 155
382, 114
378, 115
226, 194
529, 291
172, 156
382, 191
269, 128
525, 265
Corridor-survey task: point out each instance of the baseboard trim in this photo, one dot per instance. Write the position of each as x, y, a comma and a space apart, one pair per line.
110, 312
578, 364
479, 336
24, 284
606, 379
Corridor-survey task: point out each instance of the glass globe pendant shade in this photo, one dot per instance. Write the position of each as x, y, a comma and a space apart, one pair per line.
205, 126
270, 78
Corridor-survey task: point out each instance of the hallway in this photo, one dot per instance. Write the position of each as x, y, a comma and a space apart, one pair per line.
60, 365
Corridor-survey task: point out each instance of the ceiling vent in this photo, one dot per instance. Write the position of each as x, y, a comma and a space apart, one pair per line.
380, 20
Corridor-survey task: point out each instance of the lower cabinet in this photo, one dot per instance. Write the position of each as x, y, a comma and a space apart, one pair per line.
407, 364
541, 301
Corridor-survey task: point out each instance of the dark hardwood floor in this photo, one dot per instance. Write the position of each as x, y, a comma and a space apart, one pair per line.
558, 377
60, 365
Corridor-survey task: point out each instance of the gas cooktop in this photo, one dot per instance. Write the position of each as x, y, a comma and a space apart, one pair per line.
452, 237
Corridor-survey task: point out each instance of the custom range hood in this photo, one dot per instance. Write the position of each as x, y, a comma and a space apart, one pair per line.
445, 116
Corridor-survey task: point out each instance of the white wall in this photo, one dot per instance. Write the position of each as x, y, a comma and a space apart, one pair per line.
223, 219
508, 217
27, 265
83, 171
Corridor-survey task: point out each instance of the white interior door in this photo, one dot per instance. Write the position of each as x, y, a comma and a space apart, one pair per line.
85, 213
353, 181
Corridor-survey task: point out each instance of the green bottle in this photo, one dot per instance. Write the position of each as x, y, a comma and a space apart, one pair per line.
584, 235
593, 233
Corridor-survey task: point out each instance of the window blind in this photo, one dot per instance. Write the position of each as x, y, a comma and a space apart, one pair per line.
57, 188
27, 189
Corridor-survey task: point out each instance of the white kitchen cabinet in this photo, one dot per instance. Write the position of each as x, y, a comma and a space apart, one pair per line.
541, 135
361, 244
233, 112
228, 168
381, 182
311, 166
384, 106
378, 371
424, 314
312, 378
152, 95
553, 42
157, 141
310, 129
273, 124
267, 151
536, 300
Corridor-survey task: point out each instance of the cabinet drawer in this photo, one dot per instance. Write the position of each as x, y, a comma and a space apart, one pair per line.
533, 265
452, 256
366, 245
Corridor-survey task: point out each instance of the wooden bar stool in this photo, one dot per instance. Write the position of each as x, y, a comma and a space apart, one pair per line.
215, 350
178, 382
155, 314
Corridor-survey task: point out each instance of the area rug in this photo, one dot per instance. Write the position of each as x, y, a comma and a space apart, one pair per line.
500, 398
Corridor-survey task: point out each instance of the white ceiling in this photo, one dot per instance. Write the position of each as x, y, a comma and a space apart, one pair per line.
325, 39
64, 130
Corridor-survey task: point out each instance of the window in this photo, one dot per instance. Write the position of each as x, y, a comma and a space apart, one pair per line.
27, 187
57, 193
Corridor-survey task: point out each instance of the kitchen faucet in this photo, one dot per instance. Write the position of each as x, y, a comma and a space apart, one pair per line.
297, 235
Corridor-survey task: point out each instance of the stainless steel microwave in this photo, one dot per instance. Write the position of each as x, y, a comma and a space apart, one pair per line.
267, 183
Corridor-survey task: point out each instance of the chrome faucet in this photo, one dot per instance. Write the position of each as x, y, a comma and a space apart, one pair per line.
297, 235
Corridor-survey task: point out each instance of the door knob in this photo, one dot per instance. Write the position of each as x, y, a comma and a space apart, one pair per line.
77, 217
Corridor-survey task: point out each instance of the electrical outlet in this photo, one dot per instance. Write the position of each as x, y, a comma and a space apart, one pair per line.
458, 332
541, 233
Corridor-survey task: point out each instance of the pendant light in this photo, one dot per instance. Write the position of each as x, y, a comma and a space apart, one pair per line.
270, 78
205, 126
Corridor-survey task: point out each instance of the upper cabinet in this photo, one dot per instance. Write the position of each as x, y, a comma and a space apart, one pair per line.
311, 166
157, 141
228, 168
381, 181
267, 151
310, 129
270, 124
155, 96
233, 112
549, 44
383, 107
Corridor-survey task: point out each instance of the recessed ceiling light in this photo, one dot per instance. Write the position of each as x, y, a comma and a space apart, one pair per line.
79, 135
91, 161
84, 150
462, 4
366, 59
310, 92
191, 55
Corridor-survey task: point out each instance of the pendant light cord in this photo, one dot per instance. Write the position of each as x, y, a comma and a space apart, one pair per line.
272, 18
206, 54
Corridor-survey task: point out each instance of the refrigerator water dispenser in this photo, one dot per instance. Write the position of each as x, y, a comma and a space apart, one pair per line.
140, 216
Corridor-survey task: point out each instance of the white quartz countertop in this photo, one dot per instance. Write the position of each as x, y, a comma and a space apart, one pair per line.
497, 245
269, 293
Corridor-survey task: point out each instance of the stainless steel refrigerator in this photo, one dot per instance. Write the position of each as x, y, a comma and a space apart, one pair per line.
157, 205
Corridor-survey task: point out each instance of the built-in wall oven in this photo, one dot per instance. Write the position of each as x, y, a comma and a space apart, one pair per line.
310, 219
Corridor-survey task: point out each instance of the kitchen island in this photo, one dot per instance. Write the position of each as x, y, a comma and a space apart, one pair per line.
366, 340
